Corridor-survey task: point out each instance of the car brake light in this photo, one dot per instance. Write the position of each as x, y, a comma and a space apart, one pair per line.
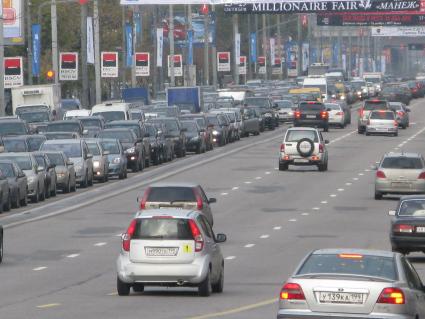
282, 147
350, 256
321, 149
400, 113
340, 113
145, 198
394, 296
126, 238
421, 175
380, 174
199, 202
324, 115
197, 236
297, 114
361, 111
400, 228
292, 291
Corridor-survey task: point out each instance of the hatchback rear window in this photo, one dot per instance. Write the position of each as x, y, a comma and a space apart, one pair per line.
382, 115
350, 264
311, 106
296, 135
171, 194
375, 105
162, 228
402, 163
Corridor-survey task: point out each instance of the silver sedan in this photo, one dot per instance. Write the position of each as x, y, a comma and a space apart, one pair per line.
353, 283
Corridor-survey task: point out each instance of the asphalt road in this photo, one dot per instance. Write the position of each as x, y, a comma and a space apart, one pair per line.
60, 256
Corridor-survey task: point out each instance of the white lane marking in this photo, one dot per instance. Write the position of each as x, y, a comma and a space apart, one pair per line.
277, 228
316, 208
355, 178
305, 214
367, 170
248, 182
340, 189
235, 188
267, 173
292, 220
348, 184
332, 195
118, 235
100, 244
73, 256
361, 174
230, 257
400, 145
39, 268
264, 236
249, 245
324, 202
396, 148
258, 177
224, 194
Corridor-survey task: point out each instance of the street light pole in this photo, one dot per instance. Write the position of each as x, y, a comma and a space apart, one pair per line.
97, 51
206, 50
171, 40
29, 42
2, 103
54, 21
84, 69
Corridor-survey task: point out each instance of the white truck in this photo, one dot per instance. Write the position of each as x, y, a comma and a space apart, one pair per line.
374, 77
48, 95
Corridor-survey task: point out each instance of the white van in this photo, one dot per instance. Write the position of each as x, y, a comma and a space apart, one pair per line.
72, 114
112, 111
317, 82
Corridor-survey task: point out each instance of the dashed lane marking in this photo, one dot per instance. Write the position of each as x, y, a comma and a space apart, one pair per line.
224, 194
316, 208
230, 257
340, 189
264, 236
292, 220
49, 305
277, 228
305, 214
248, 182
267, 173
324, 202
235, 188
332, 195
39, 268
73, 256
348, 184
100, 244
249, 245
258, 177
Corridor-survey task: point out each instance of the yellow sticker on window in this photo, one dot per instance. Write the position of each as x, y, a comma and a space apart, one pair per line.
187, 249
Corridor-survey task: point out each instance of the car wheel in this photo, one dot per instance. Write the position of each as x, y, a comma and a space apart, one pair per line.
123, 288
198, 149
8, 203
46, 191
42, 195
74, 187
283, 166
378, 195
67, 188
1, 246
204, 288
17, 202
138, 288
323, 167
157, 158
395, 134
90, 181
256, 133
54, 191
219, 285
36, 197
24, 201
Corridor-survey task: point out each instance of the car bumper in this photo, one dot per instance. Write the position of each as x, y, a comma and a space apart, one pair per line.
336, 120
381, 130
186, 274
302, 314
301, 161
61, 181
286, 118
408, 242
32, 189
114, 169
99, 172
411, 187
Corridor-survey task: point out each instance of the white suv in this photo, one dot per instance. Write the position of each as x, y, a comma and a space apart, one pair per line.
170, 247
303, 146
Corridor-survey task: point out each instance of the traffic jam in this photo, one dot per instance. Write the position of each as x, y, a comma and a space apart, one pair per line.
281, 176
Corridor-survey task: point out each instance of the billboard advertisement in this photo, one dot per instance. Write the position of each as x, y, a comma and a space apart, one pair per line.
242, 65
178, 65
223, 61
277, 66
142, 64
398, 31
13, 24
262, 65
109, 64
68, 70
13, 72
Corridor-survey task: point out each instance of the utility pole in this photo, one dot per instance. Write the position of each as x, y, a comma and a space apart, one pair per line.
339, 48
265, 42
350, 51
248, 58
124, 47
133, 47
190, 30
29, 41
235, 49
97, 51
206, 50
299, 32
55, 62
84, 69
155, 48
214, 54
2, 102
171, 40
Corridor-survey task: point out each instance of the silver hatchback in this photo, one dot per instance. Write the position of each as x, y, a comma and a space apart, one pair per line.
353, 283
170, 247
382, 122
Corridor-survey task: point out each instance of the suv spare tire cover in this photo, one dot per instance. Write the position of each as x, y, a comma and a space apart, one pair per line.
305, 147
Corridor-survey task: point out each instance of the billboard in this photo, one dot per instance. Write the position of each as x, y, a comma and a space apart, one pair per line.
13, 72
178, 65
109, 64
242, 65
68, 69
277, 66
262, 65
223, 61
13, 24
398, 31
142, 64
371, 19
292, 58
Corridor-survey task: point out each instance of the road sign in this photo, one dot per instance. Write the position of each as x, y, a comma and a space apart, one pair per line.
109, 65
178, 65
13, 72
68, 66
223, 61
142, 64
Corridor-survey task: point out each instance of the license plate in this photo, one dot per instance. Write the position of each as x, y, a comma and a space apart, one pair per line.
161, 251
400, 184
301, 160
420, 229
310, 116
340, 297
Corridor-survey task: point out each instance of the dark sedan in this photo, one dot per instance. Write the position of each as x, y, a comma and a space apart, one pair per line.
17, 183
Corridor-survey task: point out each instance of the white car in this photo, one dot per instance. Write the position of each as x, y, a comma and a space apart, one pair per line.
382, 122
72, 114
303, 146
336, 114
170, 247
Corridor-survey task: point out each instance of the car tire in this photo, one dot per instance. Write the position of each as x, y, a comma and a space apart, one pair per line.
90, 181
85, 183
123, 288
6, 206
17, 202
42, 195
157, 158
46, 192
283, 166
198, 149
136, 167
323, 167
378, 195
74, 187
54, 191
204, 288
219, 285
395, 134
256, 133
138, 288
36, 197
1, 246
67, 188
24, 201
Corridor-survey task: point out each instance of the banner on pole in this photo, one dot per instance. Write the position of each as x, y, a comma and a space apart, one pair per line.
272, 49
143, 64
109, 64
36, 49
306, 56
90, 41
253, 47
237, 48
159, 46
13, 72
129, 45
242, 65
68, 69
178, 65
190, 47
223, 61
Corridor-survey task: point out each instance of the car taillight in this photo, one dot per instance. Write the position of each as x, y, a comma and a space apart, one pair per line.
395, 124
282, 147
145, 198
361, 112
400, 228
324, 115
400, 113
197, 236
321, 149
297, 114
340, 113
421, 175
126, 238
199, 202
291, 291
380, 174
394, 296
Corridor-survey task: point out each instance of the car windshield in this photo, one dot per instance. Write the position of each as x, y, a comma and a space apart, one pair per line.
213, 120
402, 162
70, 149
12, 128
34, 142
171, 125
123, 136
257, 102
350, 264
232, 117
311, 106
412, 207
56, 158
68, 105
91, 122
93, 148
6, 170
14, 145
370, 106
40, 160
63, 127
163, 228
112, 115
134, 127
111, 146
34, 117
333, 107
201, 122
382, 116
284, 104
190, 126
24, 162
296, 135
396, 107
171, 194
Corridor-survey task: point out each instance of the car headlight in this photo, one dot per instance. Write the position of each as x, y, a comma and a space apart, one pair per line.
31, 179
61, 175
359, 93
78, 167
268, 115
215, 132
116, 160
290, 113
333, 95
96, 164
364, 90
131, 150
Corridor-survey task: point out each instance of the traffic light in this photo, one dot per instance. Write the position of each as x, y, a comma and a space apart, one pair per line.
204, 9
50, 75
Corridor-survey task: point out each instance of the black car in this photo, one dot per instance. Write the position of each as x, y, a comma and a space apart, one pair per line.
157, 154
312, 114
13, 126
72, 126
1, 244
175, 133
266, 107
202, 122
50, 176
17, 183
194, 138
15, 143
407, 232
34, 115
395, 93
219, 128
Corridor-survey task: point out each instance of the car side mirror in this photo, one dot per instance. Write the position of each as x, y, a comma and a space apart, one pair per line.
106, 153
326, 141
407, 109
52, 166
69, 163
21, 175
220, 238
391, 213
85, 132
89, 155
212, 200
40, 169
